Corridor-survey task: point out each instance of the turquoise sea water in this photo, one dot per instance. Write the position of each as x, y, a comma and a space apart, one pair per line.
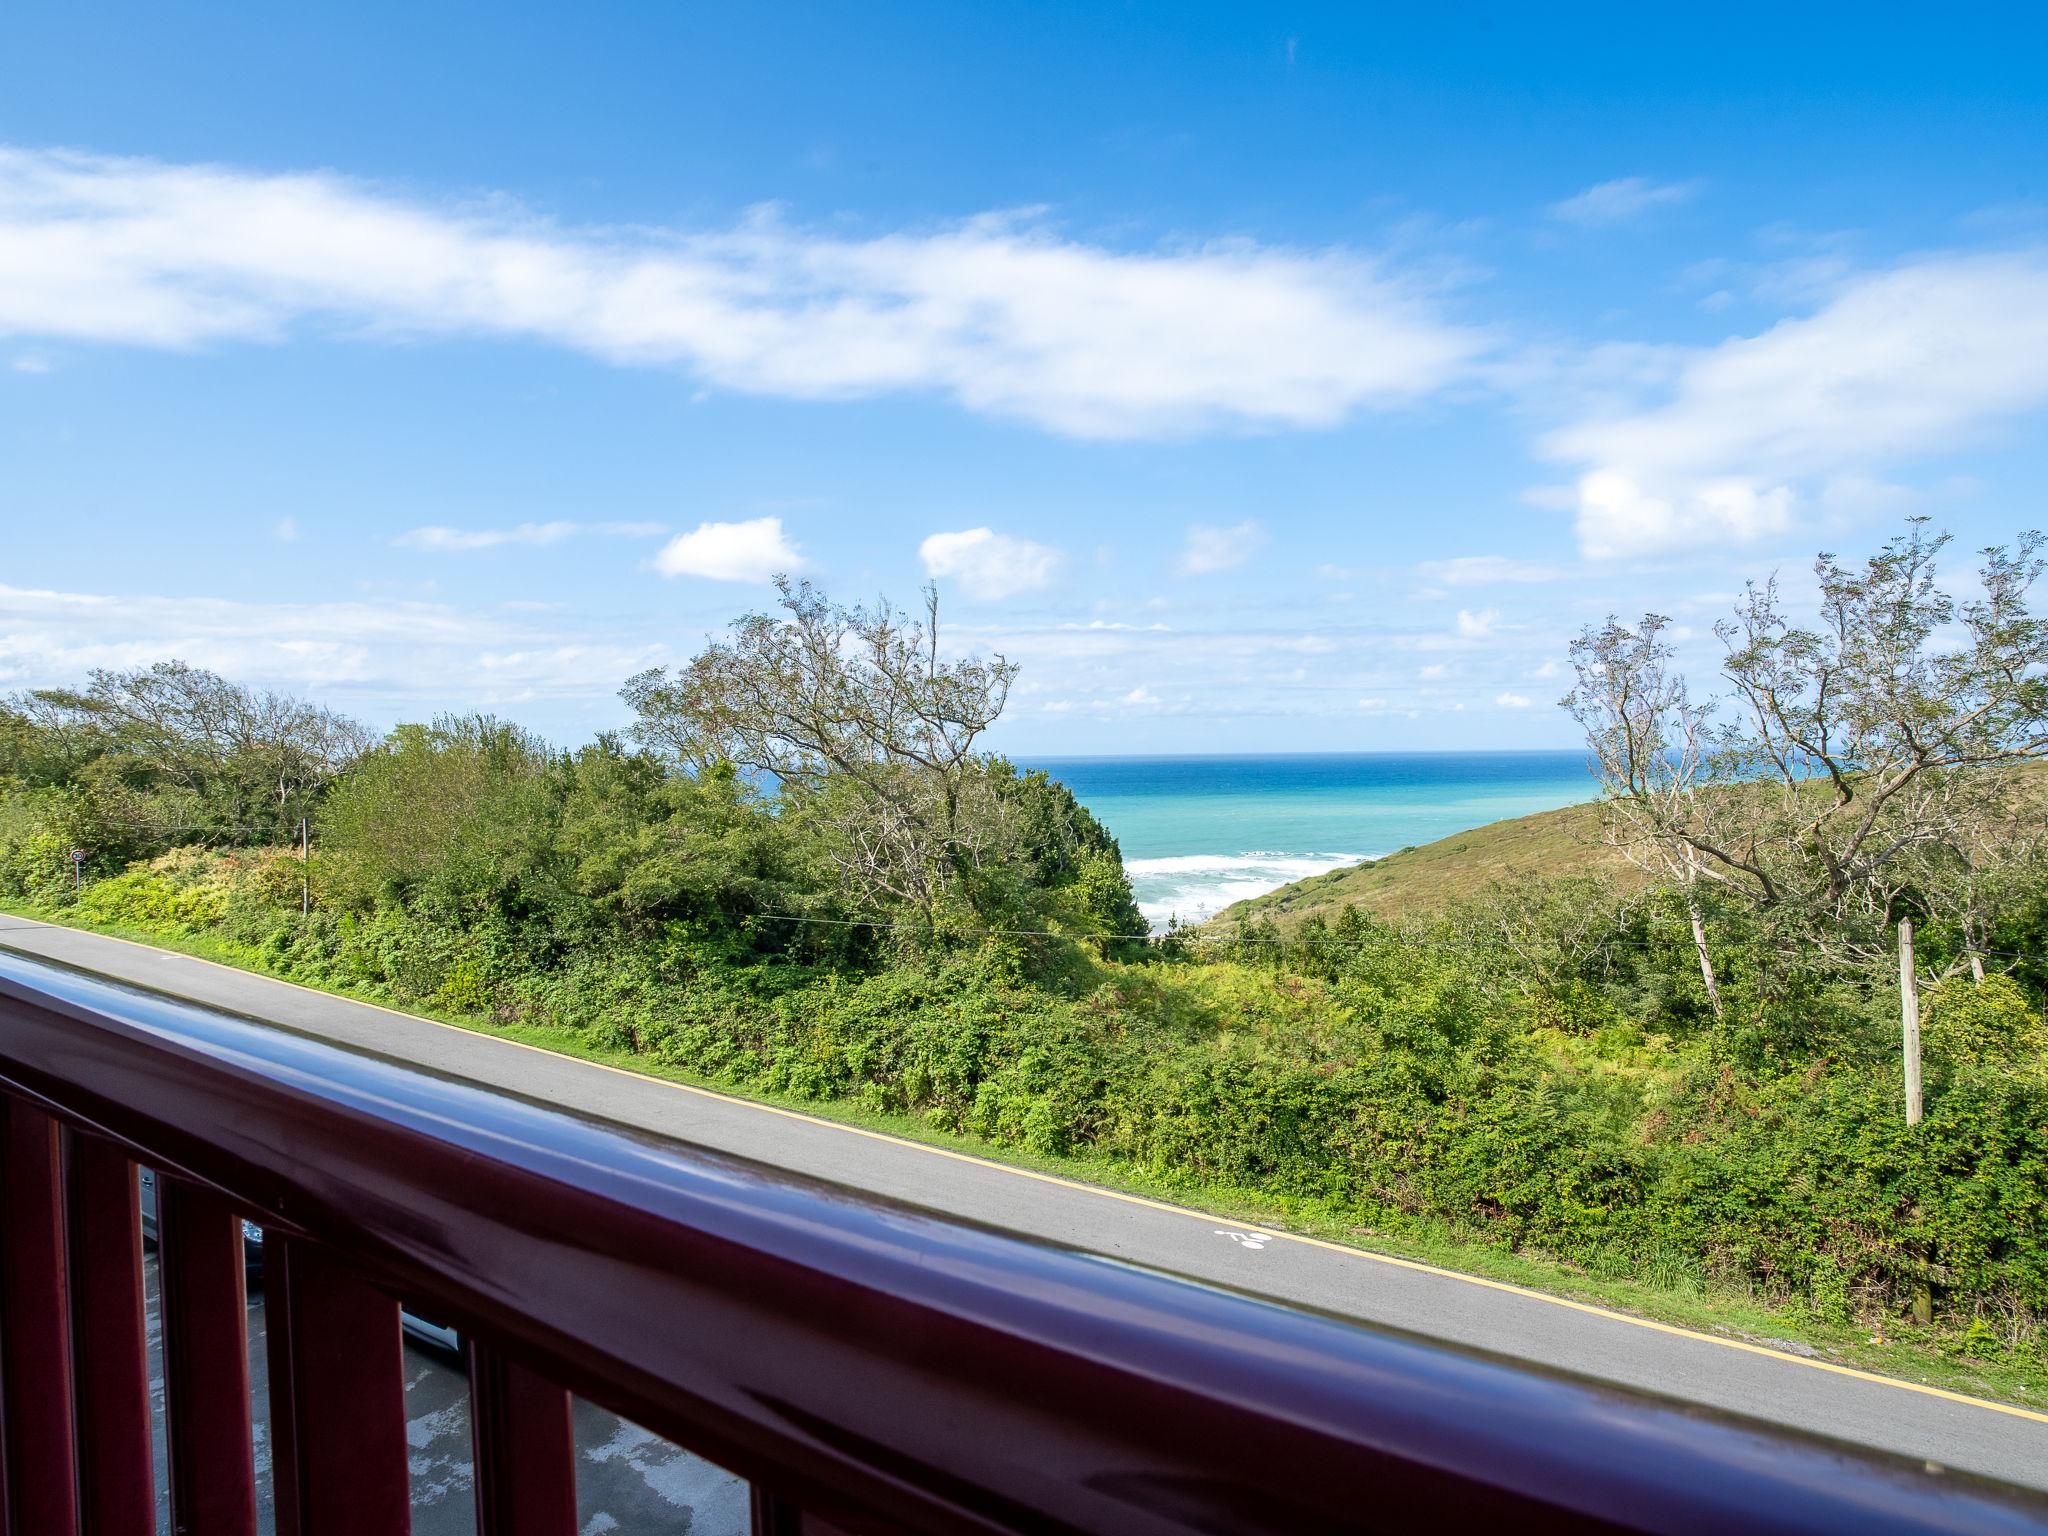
1199, 833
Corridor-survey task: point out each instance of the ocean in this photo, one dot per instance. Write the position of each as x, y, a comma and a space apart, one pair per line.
1199, 833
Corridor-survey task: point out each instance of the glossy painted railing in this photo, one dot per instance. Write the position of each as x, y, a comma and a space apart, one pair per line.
869, 1367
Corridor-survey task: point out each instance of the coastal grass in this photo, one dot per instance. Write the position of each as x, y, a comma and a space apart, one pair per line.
1422, 881
1678, 1295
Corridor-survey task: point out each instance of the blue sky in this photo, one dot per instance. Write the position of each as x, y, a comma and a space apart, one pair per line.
1261, 378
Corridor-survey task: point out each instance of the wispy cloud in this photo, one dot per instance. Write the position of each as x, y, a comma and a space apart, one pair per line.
1000, 312
1489, 570
990, 564
1622, 201
1929, 357
392, 659
1210, 549
441, 540
754, 550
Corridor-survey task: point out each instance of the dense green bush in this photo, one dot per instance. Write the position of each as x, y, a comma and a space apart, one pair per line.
1540, 1069
1397, 1086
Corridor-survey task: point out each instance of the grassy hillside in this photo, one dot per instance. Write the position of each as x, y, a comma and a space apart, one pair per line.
1423, 880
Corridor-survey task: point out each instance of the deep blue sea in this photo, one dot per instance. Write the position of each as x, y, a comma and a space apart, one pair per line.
1201, 832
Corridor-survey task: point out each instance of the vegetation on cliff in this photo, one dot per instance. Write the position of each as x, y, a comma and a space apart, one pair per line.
800, 877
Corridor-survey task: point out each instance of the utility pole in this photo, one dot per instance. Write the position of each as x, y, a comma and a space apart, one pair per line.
1909, 1019
305, 870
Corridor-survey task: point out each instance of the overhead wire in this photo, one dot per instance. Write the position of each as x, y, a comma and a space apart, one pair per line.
1184, 935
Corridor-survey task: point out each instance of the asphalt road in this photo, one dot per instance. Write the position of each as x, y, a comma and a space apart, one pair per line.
1761, 1382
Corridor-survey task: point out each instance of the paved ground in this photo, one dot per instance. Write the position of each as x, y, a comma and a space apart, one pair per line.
1767, 1384
627, 1480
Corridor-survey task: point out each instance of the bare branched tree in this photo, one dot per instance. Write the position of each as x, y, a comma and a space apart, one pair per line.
1654, 749
1846, 755
1871, 737
859, 717
244, 762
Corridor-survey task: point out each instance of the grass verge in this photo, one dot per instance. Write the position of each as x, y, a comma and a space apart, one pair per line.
1925, 1356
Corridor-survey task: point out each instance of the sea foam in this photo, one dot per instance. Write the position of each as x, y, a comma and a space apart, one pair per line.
1196, 886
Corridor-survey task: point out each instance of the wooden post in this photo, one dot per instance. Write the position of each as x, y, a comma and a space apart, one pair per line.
1909, 1019
1699, 944
1909, 1033
305, 869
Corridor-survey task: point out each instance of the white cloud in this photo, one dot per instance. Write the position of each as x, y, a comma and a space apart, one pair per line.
1140, 695
1622, 201
1209, 550
750, 551
1477, 626
460, 540
1372, 706
286, 530
1512, 700
1488, 570
30, 362
999, 312
1927, 358
399, 659
990, 564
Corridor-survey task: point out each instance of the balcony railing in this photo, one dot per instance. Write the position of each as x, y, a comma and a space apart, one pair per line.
867, 1366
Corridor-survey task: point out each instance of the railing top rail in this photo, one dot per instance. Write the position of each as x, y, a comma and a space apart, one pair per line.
890, 1367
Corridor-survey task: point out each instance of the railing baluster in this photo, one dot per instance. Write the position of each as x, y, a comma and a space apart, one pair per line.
206, 1362
35, 1333
117, 1492
337, 1406
773, 1514
525, 1449
282, 1384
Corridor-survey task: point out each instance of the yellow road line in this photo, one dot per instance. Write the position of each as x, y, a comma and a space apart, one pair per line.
1109, 1194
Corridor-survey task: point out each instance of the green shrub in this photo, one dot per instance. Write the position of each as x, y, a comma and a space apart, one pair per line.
1396, 1085
1966, 1022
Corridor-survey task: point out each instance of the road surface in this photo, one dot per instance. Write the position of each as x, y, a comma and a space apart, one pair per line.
1765, 1383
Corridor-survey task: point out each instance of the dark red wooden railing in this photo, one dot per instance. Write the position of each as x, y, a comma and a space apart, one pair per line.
867, 1366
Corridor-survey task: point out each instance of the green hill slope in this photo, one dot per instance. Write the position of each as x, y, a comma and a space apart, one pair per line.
1421, 881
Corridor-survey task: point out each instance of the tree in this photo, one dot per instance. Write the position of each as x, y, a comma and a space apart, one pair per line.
1878, 734
1859, 771
1654, 749
862, 723
1844, 753
187, 755
646, 849
452, 814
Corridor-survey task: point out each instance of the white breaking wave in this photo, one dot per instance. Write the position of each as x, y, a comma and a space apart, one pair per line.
1194, 887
